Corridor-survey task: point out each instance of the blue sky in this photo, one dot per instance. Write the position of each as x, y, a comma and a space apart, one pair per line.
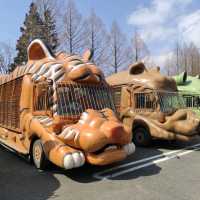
12, 13
160, 22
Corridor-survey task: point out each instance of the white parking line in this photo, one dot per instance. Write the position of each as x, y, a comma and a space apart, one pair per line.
157, 159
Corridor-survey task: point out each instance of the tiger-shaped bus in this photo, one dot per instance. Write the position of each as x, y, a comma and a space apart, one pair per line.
59, 108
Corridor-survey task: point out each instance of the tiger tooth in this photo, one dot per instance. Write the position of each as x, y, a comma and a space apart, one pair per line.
113, 147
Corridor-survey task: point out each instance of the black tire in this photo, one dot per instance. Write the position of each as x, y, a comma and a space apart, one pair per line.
141, 137
38, 156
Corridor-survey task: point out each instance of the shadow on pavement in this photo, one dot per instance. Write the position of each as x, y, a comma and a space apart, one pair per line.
173, 145
85, 173
21, 181
140, 154
154, 150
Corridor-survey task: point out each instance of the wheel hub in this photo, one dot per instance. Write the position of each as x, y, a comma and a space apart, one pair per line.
140, 136
37, 153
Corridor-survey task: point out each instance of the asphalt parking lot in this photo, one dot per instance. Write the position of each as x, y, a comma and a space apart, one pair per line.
166, 170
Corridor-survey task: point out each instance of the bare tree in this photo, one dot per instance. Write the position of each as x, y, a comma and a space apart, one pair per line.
96, 38
48, 5
177, 55
71, 37
186, 57
193, 57
168, 64
140, 50
119, 56
6, 57
189, 59
178, 59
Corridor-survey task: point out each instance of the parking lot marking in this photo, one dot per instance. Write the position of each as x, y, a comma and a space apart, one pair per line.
158, 159
144, 160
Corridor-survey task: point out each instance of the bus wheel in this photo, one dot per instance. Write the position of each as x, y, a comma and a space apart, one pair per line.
38, 155
141, 137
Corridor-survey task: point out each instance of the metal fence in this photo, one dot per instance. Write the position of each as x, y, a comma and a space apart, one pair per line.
10, 93
152, 100
163, 101
43, 97
73, 98
191, 100
116, 92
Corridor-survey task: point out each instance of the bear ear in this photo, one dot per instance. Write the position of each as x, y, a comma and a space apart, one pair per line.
87, 55
137, 68
37, 50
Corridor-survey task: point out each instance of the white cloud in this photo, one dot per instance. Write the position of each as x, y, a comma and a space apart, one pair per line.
159, 21
160, 60
189, 26
155, 14
162, 22
156, 33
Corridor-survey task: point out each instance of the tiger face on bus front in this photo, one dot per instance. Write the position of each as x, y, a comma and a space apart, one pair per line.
67, 112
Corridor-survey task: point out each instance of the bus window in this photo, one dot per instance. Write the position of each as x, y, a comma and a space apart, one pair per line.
43, 98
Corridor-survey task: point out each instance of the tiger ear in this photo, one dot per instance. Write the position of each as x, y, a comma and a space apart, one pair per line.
37, 50
87, 55
137, 68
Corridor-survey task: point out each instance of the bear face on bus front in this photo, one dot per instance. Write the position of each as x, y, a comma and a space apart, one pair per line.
150, 104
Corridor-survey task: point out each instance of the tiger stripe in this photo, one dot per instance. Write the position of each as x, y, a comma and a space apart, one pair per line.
50, 68
78, 66
30, 67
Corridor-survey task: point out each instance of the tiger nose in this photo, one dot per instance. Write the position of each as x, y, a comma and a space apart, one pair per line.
113, 131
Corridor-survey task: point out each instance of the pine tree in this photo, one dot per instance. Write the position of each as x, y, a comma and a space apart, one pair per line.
48, 11
33, 28
50, 34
